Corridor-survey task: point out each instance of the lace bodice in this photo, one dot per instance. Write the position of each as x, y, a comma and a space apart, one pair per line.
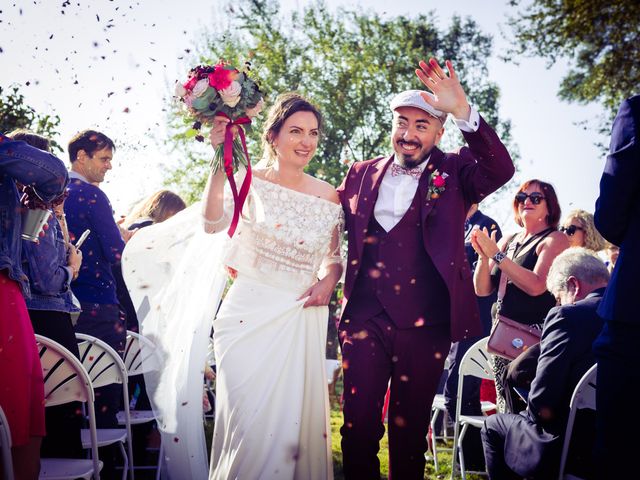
285, 236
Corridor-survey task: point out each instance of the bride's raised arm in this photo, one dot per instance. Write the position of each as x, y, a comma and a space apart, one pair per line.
214, 216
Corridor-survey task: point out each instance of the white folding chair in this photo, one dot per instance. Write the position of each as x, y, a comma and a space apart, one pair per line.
584, 397
105, 367
475, 363
66, 380
5, 447
438, 407
140, 357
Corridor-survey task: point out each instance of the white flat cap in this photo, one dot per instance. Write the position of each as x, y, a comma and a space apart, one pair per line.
413, 98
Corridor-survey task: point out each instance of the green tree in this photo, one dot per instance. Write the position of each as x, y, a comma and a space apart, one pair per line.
599, 38
15, 113
350, 63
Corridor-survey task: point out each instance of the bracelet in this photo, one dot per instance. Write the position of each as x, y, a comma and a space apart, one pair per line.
499, 257
210, 223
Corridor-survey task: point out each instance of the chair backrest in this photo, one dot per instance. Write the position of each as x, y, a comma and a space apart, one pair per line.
5, 447
66, 380
101, 361
476, 361
584, 396
139, 354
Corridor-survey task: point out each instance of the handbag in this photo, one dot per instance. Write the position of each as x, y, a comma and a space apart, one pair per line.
510, 338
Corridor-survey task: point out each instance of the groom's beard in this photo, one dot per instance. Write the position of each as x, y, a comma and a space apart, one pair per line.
410, 160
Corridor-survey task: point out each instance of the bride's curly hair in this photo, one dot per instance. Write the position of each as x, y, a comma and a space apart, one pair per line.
285, 105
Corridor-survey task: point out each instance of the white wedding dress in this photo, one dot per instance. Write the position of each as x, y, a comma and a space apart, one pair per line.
272, 406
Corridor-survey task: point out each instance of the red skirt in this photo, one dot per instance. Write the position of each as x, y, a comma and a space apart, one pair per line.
21, 384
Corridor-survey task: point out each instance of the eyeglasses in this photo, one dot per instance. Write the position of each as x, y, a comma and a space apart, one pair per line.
571, 230
535, 197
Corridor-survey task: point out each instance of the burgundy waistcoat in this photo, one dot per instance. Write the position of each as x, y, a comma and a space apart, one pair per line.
398, 276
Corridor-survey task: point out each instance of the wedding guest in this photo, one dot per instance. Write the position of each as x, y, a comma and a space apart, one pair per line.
529, 444
612, 252
51, 264
581, 231
88, 208
471, 388
617, 217
525, 259
22, 391
157, 208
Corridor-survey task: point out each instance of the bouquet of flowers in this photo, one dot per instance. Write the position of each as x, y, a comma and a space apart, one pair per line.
223, 90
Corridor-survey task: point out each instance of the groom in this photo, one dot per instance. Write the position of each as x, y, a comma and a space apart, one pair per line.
408, 286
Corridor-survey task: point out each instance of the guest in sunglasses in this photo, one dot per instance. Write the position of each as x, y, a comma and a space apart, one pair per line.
581, 231
525, 258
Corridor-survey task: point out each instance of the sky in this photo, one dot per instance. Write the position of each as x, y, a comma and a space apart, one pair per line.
111, 65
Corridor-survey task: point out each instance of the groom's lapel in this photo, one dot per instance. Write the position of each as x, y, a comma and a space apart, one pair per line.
367, 196
427, 203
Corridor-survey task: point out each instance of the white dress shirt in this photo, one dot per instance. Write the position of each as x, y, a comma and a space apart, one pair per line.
396, 193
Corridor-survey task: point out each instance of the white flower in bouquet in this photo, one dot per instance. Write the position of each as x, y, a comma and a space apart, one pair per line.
231, 95
200, 87
180, 91
254, 111
188, 99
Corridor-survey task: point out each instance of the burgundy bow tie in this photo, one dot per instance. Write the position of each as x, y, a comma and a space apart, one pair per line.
414, 172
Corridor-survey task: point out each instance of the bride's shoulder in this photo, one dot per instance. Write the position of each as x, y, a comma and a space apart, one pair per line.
322, 189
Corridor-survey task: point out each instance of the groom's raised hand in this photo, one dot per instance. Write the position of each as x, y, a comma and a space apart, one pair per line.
450, 96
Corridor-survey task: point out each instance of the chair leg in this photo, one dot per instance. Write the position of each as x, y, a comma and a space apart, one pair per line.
445, 430
125, 460
463, 470
434, 447
130, 449
160, 459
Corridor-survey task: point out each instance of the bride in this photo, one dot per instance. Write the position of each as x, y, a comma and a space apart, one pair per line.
272, 407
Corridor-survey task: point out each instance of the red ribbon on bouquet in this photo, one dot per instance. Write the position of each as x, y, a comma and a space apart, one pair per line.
238, 197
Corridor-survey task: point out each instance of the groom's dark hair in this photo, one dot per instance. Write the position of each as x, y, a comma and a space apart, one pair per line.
285, 105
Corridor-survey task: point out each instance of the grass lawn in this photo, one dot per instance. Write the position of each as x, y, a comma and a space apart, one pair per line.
444, 457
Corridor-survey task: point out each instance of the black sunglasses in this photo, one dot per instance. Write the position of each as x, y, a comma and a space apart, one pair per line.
571, 229
535, 197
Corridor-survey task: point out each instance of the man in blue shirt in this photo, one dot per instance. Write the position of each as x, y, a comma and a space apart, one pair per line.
87, 207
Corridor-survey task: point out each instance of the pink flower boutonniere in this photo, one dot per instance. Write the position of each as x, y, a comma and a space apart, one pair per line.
437, 184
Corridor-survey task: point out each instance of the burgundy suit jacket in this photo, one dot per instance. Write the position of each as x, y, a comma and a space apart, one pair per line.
473, 173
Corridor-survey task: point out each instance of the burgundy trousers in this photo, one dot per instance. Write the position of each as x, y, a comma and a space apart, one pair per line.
375, 352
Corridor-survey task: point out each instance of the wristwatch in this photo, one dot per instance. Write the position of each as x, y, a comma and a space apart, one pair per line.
499, 257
